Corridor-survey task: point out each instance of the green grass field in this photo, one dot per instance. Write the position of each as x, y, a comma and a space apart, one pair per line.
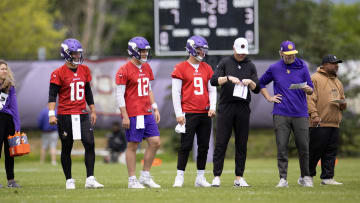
46, 183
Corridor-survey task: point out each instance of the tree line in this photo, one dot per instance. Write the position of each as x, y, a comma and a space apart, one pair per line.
105, 26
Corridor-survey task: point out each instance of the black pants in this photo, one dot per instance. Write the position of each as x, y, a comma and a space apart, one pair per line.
199, 123
324, 143
66, 137
7, 128
237, 116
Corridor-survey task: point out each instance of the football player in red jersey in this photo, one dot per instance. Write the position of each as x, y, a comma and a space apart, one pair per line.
72, 83
136, 102
194, 101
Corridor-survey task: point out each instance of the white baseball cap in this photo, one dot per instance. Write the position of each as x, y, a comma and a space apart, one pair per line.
241, 46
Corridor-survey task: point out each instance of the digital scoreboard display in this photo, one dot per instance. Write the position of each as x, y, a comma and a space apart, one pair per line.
219, 21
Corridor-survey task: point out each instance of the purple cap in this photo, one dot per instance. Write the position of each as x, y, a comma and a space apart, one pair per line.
288, 48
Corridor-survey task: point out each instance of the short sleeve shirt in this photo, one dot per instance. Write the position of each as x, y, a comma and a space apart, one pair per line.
137, 82
194, 90
72, 91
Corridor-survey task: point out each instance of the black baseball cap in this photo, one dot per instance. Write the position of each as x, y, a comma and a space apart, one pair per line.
330, 59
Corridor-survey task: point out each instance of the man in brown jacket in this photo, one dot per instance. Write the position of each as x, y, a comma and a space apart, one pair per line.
325, 110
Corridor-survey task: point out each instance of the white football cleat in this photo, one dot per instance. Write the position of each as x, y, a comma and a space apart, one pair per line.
329, 182
91, 183
283, 183
240, 183
200, 181
70, 184
148, 181
134, 184
179, 181
216, 182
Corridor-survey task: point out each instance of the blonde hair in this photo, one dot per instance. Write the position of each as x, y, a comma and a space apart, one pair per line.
9, 80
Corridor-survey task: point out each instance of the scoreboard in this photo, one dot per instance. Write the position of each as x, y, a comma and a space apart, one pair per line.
219, 21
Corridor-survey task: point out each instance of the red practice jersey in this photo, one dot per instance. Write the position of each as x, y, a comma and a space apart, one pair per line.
194, 90
137, 83
72, 91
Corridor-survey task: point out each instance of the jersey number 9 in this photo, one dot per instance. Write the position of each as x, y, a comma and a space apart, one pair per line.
198, 84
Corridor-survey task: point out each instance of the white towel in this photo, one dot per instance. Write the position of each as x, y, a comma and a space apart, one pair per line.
180, 128
76, 127
140, 123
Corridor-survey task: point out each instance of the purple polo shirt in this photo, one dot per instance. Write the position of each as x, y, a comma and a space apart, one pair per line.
11, 108
293, 103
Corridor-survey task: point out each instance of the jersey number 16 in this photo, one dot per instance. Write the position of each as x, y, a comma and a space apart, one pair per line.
77, 91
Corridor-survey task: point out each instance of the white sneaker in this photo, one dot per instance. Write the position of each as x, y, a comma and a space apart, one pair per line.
216, 182
301, 181
179, 181
329, 182
134, 184
91, 183
283, 183
308, 181
200, 181
148, 181
240, 183
70, 184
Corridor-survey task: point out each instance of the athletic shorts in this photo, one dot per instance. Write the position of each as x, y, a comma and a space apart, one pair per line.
49, 139
137, 135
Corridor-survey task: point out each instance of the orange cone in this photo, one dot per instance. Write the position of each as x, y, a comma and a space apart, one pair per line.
319, 163
156, 162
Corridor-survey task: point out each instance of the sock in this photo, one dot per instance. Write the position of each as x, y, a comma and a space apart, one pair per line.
180, 173
132, 178
200, 173
145, 173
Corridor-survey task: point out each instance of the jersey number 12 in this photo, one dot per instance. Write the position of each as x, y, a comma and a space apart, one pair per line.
143, 86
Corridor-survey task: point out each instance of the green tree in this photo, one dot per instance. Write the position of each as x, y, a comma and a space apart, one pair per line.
279, 20
139, 21
319, 38
25, 27
105, 26
332, 28
345, 25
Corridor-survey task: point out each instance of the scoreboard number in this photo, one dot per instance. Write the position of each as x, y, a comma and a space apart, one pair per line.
219, 21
